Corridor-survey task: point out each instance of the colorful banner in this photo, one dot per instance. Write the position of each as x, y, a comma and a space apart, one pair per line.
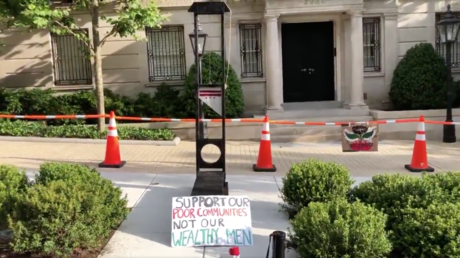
211, 221
360, 137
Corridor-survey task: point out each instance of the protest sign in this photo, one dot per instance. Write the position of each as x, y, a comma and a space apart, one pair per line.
211, 221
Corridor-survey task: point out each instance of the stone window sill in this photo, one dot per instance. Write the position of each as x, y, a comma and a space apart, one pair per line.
249, 80
169, 83
373, 74
73, 87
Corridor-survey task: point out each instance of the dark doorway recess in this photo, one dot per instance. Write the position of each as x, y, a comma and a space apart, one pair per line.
308, 61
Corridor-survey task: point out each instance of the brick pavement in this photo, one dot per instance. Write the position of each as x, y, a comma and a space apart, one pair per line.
391, 157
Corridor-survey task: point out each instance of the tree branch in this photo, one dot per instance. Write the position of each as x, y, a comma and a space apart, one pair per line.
70, 31
108, 35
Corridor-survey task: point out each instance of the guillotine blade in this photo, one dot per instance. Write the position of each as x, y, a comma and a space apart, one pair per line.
211, 96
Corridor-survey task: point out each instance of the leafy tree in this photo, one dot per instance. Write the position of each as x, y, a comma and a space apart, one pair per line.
131, 15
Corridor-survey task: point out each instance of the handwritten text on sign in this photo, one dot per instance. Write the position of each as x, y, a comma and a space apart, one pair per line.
211, 220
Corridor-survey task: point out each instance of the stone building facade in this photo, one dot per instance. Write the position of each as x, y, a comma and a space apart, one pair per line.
284, 51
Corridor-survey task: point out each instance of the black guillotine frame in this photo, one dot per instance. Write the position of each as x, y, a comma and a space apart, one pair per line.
210, 177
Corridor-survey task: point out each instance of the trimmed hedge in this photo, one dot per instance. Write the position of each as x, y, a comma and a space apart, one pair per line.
313, 181
167, 101
213, 74
40, 129
411, 216
419, 80
61, 213
420, 210
12, 183
340, 229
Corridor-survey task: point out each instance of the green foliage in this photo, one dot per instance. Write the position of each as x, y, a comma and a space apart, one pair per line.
313, 181
38, 129
130, 16
419, 80
62, 212
430, 232
339, 229
12, 182
409, 200
213, 74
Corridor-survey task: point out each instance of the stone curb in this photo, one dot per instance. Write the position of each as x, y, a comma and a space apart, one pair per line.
174, 142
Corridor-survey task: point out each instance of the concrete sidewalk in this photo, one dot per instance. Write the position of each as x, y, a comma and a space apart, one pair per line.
391, 157
147, 230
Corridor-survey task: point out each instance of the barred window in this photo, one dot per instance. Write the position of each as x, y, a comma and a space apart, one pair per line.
71, 62
166, 53
251, 50
371, 44
441, 48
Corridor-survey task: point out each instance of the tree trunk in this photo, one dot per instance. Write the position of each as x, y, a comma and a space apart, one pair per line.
98, 66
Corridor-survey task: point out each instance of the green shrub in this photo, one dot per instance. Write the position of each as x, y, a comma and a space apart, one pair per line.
419, 80
12, 182
213, 74
401, 197
433, 232
393, 193
39, 129
69, 207
313, 181
164, 103
339, 229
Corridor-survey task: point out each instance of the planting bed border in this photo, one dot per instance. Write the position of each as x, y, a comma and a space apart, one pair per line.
173, 142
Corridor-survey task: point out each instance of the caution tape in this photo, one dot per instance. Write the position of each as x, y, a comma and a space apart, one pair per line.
217, 120
42, 117
441, 122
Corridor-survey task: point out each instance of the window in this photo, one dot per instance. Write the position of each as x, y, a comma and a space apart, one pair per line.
441, 48
72, 65
166, 53
251, 50
371, 44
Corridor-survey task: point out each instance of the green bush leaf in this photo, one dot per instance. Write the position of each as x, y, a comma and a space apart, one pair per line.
339, 229
313, 181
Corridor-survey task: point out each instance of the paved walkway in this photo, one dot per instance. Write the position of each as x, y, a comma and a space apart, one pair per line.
147, 230
390, 158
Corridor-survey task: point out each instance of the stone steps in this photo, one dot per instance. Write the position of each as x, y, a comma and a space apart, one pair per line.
302, 133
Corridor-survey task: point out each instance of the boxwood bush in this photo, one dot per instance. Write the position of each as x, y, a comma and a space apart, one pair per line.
68, 208
340, 229
40, 129
419, 80
214, 74
313, 181
13, 182
417, 210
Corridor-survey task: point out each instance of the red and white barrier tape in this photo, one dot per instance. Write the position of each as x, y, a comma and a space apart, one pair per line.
218, 120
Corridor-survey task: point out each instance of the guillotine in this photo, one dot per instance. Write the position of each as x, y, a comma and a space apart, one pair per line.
210, 177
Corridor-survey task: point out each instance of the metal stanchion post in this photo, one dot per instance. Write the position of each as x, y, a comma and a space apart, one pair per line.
279, 244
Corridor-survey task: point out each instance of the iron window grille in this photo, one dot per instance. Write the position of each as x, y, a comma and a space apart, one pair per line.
251, 50
166, 53
71, 63
441, 48
371, 45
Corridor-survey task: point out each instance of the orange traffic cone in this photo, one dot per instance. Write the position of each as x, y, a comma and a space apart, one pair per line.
112, 151
419, 161
264, 160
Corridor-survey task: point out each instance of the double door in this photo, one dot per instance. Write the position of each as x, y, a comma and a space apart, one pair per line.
308, 61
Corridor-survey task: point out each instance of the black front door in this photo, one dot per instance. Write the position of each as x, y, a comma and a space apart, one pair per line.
308, 61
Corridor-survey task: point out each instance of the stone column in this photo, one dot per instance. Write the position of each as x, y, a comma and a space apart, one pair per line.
273, 71
357, 64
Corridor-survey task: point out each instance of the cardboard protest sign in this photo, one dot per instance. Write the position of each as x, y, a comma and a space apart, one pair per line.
360, 137
211, 221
